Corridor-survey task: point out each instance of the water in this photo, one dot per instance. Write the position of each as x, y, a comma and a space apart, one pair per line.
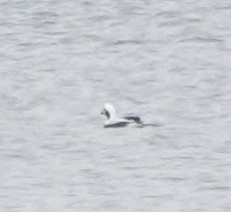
169, 61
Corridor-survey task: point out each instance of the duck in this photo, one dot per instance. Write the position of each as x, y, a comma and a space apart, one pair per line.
113, 122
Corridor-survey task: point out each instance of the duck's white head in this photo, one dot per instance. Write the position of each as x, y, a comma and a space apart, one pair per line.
109, 111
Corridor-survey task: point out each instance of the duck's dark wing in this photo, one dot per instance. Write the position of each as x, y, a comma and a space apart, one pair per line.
133, 118
117, 124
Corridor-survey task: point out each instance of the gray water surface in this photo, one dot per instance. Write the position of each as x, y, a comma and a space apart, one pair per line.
169, 61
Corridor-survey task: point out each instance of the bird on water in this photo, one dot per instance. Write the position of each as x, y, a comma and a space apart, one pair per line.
112, 121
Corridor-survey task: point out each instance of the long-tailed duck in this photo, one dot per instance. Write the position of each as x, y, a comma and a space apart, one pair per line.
112, 121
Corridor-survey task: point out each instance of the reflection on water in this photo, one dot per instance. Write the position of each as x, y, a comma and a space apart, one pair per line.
168, 61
